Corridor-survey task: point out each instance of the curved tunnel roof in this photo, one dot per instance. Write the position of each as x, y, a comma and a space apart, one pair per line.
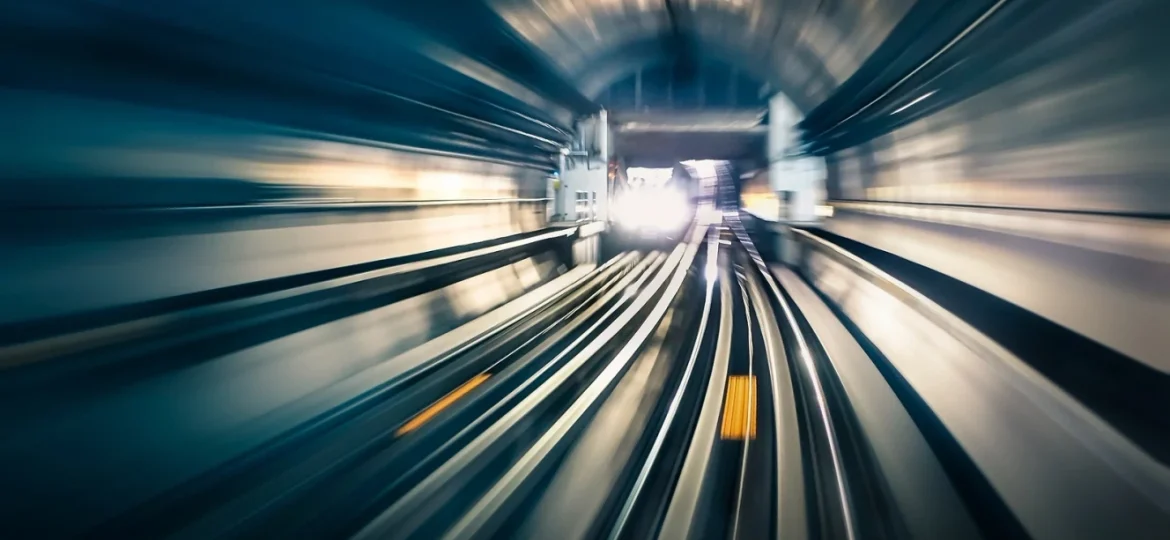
803, 48
1037, 101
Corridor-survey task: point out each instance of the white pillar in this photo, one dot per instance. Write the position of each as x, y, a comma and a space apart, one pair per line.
796, 178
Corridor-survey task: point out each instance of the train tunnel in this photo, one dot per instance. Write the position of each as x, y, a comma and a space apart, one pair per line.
624, 269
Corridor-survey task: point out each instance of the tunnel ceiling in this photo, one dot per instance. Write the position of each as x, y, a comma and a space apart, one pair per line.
488, 79
804, 48
676, 86
503, 79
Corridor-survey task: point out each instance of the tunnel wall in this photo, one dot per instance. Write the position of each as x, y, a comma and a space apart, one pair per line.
1070, 156
164, 202
1083, 128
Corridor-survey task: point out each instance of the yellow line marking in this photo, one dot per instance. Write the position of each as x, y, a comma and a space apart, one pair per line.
739, 409
437, 407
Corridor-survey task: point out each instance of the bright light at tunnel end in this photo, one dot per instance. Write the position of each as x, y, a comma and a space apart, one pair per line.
652, 211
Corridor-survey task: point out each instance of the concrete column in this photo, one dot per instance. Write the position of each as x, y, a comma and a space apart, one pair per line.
794, 179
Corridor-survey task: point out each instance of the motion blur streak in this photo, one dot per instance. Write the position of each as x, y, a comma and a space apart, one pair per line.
573, 269
437, 407
739, 409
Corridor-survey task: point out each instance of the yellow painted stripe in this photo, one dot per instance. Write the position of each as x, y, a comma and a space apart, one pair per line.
437, 407
739, 409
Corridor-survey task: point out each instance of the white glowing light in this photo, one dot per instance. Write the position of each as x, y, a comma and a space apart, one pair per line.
711, 272
704, 168
709, 215
652, 209
915, 102
649, 176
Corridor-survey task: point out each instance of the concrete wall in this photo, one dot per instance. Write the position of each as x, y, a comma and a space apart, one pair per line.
803, 178
1084, 128
166, 203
